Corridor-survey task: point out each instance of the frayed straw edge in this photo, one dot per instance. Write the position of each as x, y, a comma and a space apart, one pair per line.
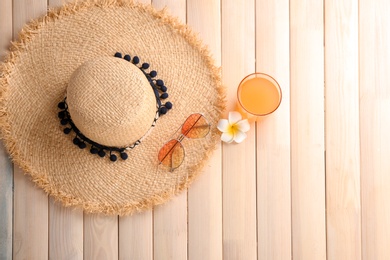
21, 45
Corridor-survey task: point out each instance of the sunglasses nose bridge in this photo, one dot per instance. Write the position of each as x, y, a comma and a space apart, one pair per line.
180, 137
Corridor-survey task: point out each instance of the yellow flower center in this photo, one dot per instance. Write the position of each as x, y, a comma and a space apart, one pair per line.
233, 129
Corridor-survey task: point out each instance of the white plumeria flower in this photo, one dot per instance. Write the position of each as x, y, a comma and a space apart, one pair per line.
233, 129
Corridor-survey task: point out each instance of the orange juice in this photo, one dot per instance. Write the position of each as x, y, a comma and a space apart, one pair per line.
259, 94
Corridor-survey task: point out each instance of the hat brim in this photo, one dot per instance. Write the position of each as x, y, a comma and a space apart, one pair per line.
33, 81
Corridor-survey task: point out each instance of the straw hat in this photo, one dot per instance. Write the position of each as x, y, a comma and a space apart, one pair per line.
117, 75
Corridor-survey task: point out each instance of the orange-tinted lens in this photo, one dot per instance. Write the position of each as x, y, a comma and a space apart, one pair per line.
196, 126
171, 154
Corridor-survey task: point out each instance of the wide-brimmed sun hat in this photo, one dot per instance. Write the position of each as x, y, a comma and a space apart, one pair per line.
91, 92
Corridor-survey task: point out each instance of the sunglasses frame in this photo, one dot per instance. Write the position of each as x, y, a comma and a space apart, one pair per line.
180, 138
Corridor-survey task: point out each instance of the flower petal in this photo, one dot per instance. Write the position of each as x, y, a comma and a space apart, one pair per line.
243, 125
234, 117
227, 137
239, 137
223, 125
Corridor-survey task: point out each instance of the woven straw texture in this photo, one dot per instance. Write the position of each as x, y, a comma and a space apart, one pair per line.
111, 101
34, 78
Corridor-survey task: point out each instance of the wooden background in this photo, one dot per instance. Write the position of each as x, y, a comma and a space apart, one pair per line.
311, 181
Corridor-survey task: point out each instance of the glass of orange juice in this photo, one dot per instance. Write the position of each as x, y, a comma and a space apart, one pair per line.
258, 95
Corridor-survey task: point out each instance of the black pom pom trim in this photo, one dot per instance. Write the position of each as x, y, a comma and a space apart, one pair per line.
82, 141
113, 157
61, 105
168, 105
102, 153
124, 156
82, 145
163, 89
64, 121
94, 150
159, 82
135, 60
153, 73
127, 57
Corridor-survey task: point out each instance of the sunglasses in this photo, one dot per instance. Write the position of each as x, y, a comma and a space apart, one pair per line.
172, 153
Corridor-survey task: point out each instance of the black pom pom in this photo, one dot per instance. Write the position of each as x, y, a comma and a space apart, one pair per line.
61, 105
67, 130
124, 155
168, 105
135, 60
82, 145
118, 55
159, 82
163, 88
64, 121
127, 57
163, 110
61, 114
102, 153
113, 157
164, 95
145, 66
153, 73
76, 141
94, 150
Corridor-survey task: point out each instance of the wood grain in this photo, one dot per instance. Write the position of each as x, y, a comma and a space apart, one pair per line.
136, 236
374, 55
264, 198
65, 232
307, 129
30, 203
342, 130
273, 134
136, 231
65, 224
57, 3
100, 236
205, 195
170, 220
170, 229
31, 239
6, 171
238, 161
6, 205
5, 26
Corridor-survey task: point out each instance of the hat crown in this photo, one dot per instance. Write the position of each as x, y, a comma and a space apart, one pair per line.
111, 101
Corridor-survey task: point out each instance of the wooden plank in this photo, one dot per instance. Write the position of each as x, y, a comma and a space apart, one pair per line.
170, 229
273, 134
136, 231
170, 219
342, 130
205, 195
30, 219
65, 232
31, 203
238, 161
100, 236
65, 224
307, 129
136, 236
6, 172
6, 201
57, 3
374, 56
5, 26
